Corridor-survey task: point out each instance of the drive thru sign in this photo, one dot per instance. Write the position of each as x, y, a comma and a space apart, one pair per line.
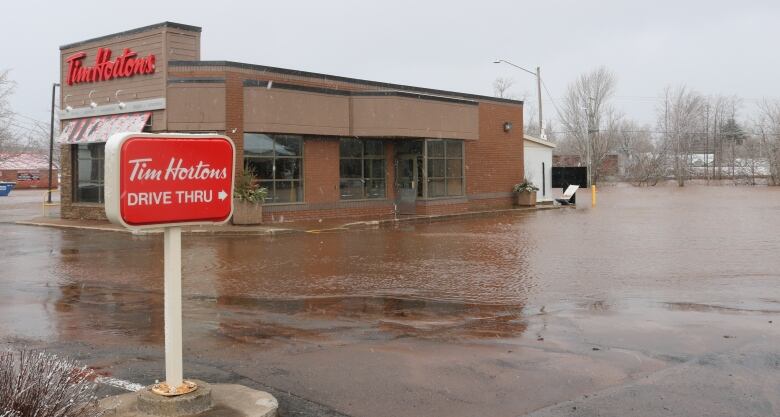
168, 179
162, 182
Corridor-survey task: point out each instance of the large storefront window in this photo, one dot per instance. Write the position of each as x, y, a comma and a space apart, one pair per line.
445, 168
277, 162
361, 169
88, 181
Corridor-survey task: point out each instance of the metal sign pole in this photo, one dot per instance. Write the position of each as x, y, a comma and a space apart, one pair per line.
173, 339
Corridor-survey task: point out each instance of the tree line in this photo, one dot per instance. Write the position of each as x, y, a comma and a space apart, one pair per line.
695, 136
20, 134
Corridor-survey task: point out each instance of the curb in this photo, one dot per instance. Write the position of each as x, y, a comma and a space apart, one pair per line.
359, 225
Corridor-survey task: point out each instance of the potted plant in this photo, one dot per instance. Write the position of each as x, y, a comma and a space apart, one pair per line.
248, 198
525, 193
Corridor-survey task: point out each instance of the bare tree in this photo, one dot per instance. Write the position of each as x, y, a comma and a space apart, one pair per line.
680, 119
768, 131
19, 134
501, 87
7, 138
589, 119
630, 142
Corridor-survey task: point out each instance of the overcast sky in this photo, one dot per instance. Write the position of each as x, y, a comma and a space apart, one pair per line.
714, 46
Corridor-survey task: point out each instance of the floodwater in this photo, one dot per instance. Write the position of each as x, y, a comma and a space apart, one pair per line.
657, 274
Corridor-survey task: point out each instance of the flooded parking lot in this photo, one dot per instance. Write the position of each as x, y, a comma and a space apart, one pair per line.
497, 315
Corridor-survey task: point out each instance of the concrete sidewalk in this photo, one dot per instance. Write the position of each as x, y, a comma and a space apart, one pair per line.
273, 229
740, 382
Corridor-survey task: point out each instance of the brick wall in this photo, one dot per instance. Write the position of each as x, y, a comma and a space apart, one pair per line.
321, 170
493, 163
234, 115
12, 175
68, 208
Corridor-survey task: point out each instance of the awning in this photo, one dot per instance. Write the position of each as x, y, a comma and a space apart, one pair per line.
99, 129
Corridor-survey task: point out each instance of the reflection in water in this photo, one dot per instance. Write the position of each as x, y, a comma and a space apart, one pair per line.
466, 278
269, 318
84, 309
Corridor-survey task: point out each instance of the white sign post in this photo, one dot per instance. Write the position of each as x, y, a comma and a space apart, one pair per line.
174, 372
166, 181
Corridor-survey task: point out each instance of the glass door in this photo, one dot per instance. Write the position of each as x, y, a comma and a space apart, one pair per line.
407, 183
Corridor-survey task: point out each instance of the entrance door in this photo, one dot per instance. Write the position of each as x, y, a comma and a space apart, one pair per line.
407, 183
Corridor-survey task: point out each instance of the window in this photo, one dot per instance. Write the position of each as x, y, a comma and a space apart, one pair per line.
445, 168
277, 162
88, 181
361, 169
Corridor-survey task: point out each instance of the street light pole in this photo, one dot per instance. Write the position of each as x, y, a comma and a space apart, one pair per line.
538, 76
539, 98
51, 139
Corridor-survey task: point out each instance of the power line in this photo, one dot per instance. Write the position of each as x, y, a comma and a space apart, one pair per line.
555, 106
14, 114
662, 131
27, 124
26, 128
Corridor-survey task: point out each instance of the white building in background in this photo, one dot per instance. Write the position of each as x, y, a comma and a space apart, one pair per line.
538, 165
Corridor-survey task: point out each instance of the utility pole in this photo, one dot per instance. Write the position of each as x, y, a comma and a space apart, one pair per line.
589, 138
539, 98
51, 139
538, 75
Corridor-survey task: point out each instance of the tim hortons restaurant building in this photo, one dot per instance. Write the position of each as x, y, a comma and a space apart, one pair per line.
324, 146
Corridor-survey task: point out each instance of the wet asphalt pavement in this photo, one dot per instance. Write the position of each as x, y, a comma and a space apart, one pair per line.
658, 302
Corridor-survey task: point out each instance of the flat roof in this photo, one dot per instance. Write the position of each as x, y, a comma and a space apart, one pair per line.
134, 31
539, 141
329, 77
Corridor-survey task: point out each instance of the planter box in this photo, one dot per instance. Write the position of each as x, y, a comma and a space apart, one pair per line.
246, 213
526, 199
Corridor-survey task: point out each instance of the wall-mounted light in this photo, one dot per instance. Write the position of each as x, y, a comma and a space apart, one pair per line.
122, 104
68, 108
507, 126
91, 102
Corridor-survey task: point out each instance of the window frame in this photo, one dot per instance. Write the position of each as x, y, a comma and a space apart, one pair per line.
274, 158
445, 178
363, 178
75, 177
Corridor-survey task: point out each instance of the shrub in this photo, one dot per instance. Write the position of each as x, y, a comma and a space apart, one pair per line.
246, 188
38, 384
525, 186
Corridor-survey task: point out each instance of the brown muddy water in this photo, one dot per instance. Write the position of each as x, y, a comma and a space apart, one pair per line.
656, 274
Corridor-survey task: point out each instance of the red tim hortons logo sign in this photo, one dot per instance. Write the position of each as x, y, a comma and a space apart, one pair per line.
126, 65
158, 180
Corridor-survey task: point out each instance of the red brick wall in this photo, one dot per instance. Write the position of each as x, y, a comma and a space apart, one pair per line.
390, 169
11, 175
494, 163
234, 114
321, 170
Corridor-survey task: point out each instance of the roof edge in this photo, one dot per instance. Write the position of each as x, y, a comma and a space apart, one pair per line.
539, 141
287, 71
166, 24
